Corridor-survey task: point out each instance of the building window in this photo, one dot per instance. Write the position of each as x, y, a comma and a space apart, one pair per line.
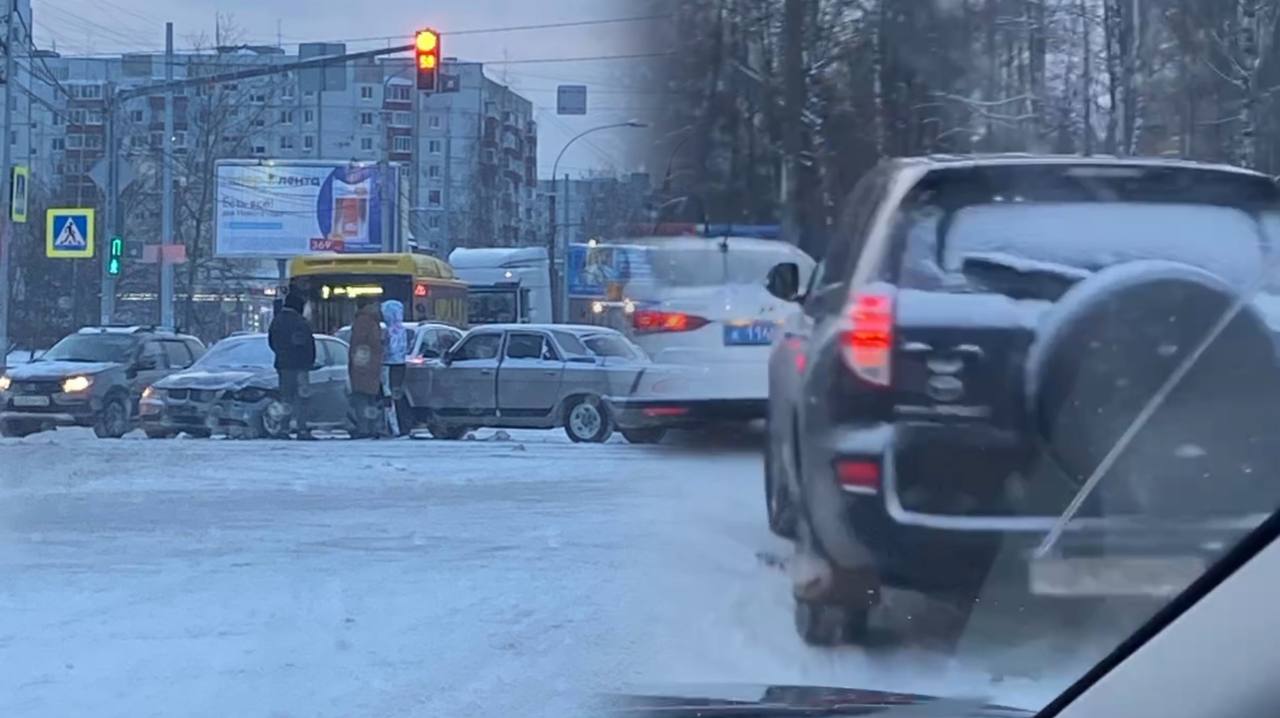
308, 142
286, 142
308, 116
57, 119
259, 122
433, 221
403, 143
433, 146
366, 92
433, 171
401, 119
433, 121
93, 117
433, 198
179, 139
286, 117
366, 119
400, 93
309, 94
366, 143
259, 149
75, 142
135, 116
91, 142
139, 141
258, 98
59, 143
77, 117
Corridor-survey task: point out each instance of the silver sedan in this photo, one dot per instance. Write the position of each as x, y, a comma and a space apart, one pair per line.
540, 376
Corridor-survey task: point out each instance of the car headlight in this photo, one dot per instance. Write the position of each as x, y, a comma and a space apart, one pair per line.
149, 393
75, 384
251, 393
5, 382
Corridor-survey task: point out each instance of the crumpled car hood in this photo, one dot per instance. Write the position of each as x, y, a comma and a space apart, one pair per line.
45, 370
226, 379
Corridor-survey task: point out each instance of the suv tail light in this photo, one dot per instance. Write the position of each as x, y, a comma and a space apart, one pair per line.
867, 343
650, 321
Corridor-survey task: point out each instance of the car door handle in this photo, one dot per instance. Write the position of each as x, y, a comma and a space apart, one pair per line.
486, 372
551, 373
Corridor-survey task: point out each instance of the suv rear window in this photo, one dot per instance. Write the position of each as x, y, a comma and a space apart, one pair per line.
1086, 224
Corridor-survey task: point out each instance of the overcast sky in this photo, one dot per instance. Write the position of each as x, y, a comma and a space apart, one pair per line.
111, 26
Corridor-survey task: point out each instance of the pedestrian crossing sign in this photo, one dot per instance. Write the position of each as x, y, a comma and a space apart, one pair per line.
69, 233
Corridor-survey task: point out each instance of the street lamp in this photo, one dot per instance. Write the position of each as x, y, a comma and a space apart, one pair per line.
563, 314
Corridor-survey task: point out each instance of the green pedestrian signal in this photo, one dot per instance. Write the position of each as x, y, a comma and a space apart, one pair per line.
115, 256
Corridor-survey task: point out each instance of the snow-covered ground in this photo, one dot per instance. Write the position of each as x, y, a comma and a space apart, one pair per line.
491, 577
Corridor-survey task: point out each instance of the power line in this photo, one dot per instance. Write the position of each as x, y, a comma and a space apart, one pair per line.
403, 36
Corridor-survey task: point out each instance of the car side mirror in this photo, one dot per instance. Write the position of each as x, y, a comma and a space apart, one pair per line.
783, 281
447, 358
317, 366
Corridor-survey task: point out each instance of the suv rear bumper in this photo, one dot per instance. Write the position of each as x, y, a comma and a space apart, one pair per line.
937, 551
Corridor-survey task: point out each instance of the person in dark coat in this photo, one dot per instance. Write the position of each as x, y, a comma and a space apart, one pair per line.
294, 345
364, 368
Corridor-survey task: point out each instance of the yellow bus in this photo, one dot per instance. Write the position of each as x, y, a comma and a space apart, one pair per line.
333, 283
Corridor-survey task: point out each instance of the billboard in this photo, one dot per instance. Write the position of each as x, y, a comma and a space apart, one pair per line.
285, 208
608, 271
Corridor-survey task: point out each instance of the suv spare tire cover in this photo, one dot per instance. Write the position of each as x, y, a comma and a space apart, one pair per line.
1105, 349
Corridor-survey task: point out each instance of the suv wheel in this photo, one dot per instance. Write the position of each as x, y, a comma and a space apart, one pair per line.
158, 434
113, 421
18, 428
586, 421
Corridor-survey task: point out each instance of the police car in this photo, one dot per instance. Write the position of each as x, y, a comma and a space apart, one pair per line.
699, 307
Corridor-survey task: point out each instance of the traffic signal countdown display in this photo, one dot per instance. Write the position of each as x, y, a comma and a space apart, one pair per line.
426, 52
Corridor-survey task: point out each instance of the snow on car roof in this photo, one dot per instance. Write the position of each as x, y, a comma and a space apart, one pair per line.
1100, 160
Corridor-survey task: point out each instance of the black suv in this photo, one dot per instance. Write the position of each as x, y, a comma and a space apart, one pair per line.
1051, 368
94, 377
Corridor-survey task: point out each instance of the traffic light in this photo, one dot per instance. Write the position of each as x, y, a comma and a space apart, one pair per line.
115, 256
426, 52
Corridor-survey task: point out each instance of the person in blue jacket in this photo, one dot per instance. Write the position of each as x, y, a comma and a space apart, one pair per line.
395, 351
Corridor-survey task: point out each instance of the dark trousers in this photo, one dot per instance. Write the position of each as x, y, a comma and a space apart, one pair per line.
367, 416
295, 392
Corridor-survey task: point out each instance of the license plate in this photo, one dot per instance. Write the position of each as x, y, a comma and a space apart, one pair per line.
30, 401
752, 334
1160, 577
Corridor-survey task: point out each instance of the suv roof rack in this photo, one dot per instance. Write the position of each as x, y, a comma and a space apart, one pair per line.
126, 329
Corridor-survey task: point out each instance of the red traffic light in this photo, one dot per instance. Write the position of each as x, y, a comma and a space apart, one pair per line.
426, 50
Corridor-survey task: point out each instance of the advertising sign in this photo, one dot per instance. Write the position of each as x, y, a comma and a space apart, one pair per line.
284, 209
608, 271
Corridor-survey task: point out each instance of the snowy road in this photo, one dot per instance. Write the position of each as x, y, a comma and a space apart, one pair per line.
408, 578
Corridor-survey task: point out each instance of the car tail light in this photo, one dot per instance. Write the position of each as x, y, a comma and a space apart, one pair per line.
859, 476
867, 343
649, 321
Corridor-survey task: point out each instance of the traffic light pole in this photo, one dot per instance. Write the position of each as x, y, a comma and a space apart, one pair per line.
110, 214
6, 173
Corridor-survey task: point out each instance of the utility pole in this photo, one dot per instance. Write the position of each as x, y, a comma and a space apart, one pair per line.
6, 160
110, 211
384, 204
446, 192
166, 197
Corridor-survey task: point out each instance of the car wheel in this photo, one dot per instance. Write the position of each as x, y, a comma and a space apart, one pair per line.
779, 506
448, 432
587, 421
158, 434
198, 433
113, 422
273, 420
832, 606
644, 436
18, 429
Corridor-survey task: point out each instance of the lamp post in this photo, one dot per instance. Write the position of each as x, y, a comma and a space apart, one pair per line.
563, 314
